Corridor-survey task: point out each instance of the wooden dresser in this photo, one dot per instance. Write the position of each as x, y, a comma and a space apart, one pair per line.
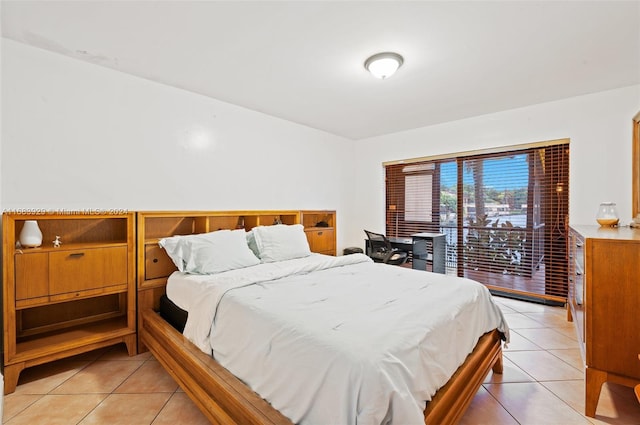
66, 300
604, 300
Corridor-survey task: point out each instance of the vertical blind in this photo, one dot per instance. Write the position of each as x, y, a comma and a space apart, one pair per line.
504, 214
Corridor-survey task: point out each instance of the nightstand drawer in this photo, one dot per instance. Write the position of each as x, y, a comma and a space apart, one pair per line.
87, 269
322, 240
157, 263
32, 278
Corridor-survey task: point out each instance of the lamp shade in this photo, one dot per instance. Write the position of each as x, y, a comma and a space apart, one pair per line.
383, 65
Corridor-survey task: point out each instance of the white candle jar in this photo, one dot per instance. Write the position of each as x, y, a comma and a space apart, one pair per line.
607, 215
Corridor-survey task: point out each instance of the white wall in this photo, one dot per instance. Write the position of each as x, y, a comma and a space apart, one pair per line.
599, 126
77, 136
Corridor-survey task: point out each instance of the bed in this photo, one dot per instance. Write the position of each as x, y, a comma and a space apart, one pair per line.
295, 330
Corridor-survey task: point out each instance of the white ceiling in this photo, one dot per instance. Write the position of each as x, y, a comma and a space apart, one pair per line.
303, 60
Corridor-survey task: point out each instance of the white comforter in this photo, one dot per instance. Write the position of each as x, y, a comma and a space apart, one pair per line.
341, 340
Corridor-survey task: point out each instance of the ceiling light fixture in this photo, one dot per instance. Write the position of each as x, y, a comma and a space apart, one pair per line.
383, 65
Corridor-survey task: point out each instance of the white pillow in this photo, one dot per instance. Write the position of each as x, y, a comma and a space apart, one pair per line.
210, 253
174, 250
218, 252
281, 242
251, 241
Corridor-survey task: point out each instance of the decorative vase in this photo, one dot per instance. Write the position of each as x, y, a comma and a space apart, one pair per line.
30, 236
607, 215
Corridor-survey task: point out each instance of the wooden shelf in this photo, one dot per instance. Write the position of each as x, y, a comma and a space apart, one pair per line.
67, 339
315, 228
63, 298
310, 219
70, 247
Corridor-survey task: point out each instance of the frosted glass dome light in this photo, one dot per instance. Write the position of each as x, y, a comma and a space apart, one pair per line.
383, 65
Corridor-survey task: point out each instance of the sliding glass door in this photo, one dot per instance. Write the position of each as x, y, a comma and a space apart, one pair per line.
504, 215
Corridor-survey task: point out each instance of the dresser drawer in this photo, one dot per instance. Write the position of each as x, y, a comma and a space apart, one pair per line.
76, 271
577, 296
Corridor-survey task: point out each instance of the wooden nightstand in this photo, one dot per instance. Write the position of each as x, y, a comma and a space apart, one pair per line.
322, 239
63, 301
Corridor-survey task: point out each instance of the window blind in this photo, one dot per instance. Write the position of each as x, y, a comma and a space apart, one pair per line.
504, 214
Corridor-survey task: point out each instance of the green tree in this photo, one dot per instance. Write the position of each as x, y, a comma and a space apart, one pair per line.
476, 166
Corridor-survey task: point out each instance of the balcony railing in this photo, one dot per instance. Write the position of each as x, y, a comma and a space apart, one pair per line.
500, 249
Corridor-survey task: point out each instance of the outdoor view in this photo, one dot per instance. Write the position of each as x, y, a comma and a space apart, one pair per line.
494, 212
499, 184
503, 215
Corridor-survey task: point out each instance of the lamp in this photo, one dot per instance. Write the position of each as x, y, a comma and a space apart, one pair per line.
383, 65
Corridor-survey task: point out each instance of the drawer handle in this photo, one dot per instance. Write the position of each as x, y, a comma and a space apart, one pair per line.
155, 260
578, 273
319, 233
579, 244
76, 255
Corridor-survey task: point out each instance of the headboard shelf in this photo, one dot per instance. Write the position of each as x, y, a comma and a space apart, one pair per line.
163, 226
311, 219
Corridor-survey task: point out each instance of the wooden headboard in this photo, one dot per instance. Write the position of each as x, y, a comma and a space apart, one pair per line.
154, 266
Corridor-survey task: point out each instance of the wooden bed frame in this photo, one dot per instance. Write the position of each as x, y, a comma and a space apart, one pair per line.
222, 397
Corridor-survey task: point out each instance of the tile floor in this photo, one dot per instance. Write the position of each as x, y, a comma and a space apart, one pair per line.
543, 383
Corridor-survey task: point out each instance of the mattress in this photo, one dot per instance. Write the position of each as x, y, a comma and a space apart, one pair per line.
338, 339
185, 289
173, 314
